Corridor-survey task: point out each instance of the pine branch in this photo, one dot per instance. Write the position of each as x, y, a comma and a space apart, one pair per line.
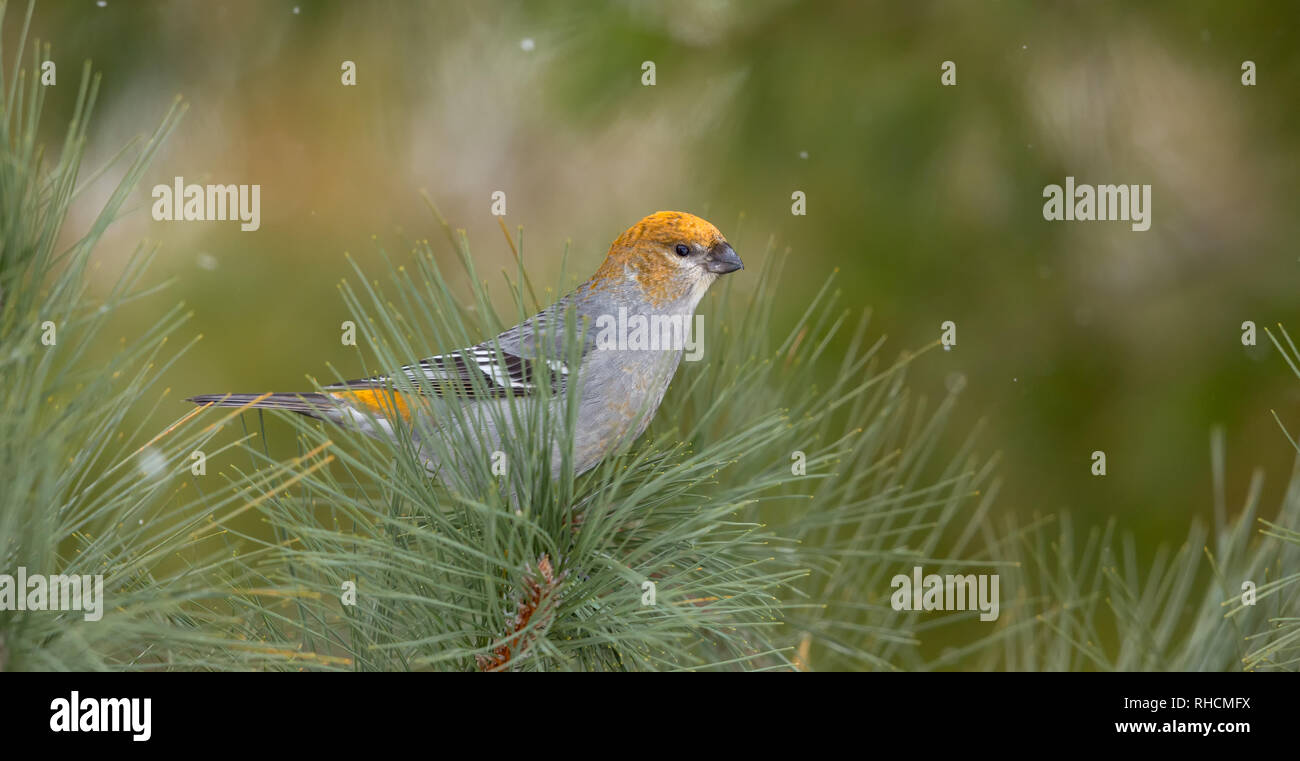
534, 611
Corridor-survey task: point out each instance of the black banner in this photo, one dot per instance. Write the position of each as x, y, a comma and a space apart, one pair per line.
298, 711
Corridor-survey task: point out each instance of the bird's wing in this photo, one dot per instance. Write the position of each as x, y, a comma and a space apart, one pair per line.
481, 371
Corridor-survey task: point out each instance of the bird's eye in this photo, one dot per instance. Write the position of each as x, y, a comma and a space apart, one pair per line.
683, 249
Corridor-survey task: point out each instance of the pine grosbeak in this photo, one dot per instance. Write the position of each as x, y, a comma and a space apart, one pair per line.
654, 275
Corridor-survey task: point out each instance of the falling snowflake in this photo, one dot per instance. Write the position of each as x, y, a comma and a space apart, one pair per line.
152, 463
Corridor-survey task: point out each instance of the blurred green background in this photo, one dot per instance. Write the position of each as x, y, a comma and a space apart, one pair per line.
1072, 337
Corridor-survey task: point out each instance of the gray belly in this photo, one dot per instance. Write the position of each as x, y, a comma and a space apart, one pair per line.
621, 392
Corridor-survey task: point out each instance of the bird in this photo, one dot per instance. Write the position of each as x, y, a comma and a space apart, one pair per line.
594, 347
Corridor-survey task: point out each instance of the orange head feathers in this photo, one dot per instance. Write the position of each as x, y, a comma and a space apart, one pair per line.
669, 256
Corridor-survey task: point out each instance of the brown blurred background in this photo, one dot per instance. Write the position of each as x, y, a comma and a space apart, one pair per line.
1071, 337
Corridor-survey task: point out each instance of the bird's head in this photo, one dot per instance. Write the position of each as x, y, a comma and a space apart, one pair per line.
670, 256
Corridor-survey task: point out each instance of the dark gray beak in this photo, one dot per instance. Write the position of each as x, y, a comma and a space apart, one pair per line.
722, 259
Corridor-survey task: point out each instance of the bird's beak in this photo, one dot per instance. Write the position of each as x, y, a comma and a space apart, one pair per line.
722, 259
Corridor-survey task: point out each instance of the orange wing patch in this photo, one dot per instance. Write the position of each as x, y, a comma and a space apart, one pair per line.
378, 402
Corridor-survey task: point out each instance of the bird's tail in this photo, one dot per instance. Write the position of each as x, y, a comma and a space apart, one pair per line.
318, 406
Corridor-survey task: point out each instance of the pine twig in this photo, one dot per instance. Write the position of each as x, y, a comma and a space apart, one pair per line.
537, 604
